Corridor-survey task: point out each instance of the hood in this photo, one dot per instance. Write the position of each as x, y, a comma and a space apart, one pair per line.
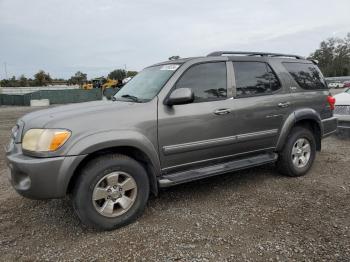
66, 111
97, 115
98, 119
342, 99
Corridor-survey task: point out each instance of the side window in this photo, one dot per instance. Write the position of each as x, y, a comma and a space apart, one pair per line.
308, 76
255, 78
208, 81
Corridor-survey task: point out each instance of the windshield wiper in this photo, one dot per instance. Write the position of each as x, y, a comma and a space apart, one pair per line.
133, 98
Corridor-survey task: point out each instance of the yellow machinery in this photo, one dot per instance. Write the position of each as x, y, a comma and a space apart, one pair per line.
101, 82
88, 85
110, 83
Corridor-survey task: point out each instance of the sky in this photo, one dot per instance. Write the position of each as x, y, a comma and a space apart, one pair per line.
97, 36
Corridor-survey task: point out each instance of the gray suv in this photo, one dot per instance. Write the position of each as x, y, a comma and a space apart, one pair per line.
175, 122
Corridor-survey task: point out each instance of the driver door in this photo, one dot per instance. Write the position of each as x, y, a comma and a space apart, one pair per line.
202, 131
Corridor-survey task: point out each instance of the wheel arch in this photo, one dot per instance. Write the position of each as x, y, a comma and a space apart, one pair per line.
307, 118
130, 143
130, 151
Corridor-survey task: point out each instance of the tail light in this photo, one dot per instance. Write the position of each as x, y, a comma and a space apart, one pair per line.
331, 101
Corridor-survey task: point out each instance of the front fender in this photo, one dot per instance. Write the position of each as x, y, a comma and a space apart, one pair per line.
115, 138
103, 140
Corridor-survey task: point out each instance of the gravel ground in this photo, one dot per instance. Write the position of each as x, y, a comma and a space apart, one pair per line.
252, 215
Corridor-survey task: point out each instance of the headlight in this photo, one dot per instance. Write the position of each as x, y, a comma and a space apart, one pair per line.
43, 140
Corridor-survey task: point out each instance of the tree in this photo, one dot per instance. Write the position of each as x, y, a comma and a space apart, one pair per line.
333, 56
31, 82
11, 82
131, 73
23, 81
42, 79
118, 74
78, 79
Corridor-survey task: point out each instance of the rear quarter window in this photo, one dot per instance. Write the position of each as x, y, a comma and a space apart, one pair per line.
308, 76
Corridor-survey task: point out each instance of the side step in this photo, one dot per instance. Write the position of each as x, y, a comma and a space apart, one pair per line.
196, 174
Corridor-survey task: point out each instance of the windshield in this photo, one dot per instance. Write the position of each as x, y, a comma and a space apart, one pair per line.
146, 84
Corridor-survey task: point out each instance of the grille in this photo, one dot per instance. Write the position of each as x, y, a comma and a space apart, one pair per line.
342, 110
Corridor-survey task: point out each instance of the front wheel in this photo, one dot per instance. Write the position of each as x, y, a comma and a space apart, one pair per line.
298, 154
111, 191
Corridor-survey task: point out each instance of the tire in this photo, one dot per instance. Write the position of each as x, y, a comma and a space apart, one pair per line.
290, 152
120, 206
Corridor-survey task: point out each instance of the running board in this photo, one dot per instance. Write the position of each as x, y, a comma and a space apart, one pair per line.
196, 174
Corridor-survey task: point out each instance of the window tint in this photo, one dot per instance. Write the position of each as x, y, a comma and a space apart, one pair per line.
254, 78
207, 81
308, 76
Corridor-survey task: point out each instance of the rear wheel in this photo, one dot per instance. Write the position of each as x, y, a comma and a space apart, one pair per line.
298, 154
112, 191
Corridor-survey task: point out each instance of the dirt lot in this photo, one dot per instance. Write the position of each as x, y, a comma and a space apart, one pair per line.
244, 216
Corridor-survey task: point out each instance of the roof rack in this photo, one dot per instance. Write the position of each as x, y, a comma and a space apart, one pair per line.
220, 53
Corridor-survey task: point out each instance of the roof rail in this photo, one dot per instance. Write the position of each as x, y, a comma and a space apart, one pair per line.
220, 53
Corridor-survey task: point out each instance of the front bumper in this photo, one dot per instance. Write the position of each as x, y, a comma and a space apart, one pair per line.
40, 178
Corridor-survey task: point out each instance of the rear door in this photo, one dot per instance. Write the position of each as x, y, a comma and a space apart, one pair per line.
260, 103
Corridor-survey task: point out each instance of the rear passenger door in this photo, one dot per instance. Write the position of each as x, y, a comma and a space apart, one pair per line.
260, 104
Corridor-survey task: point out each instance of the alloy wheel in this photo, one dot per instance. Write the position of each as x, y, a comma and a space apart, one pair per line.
114, 194
301, 153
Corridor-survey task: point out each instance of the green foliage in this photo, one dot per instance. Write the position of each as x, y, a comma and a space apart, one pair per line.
42, 79
78, 79
23, 81
131, 73
11, 82
118, 74
333, 56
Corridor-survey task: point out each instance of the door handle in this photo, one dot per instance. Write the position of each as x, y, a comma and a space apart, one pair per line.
283, 104
223, 111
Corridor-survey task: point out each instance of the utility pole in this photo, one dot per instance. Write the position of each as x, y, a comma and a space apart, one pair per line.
126, 72
5, 67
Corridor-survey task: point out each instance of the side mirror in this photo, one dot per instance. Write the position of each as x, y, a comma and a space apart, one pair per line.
180, 96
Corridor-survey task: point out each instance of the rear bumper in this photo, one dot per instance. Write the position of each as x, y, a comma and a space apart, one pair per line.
343, 122
329, 126
39, 178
